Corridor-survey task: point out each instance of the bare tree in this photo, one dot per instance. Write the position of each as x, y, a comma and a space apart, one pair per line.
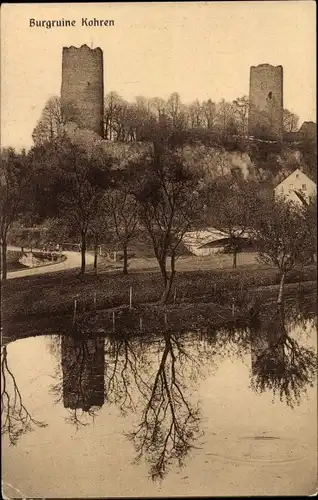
209, 111
113, 104
51, 123
16, 174
101, 227
175, 111
80, 177
158, 105
124, 210
224, 116
168, 204
290, 121
230, 208
126, 121
283, 237
195, 114
241, 107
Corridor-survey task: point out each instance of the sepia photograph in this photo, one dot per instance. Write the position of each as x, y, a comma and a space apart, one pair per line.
158, 244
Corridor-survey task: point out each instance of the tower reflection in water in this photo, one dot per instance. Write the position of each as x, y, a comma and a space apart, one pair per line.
83, 367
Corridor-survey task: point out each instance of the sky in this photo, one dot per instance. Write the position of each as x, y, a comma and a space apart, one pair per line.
200, 50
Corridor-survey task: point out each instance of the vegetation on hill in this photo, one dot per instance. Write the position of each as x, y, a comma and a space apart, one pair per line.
172, 170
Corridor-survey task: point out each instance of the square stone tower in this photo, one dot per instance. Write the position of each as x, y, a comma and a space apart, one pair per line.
265, 119
82, 91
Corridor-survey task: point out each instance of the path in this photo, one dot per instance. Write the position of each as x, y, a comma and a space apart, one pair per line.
139, 264
72, 261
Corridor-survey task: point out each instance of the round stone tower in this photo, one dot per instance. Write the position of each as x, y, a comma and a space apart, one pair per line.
82, 91
266, 101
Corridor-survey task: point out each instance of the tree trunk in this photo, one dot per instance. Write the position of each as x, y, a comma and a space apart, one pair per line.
4, 259
163, 270
281, 315
83, 252
95, 257
281, 289
106, 129
125, 268
169, 282
234, 259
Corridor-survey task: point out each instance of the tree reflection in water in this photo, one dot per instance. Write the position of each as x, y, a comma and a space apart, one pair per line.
15, 418
231, 341
169, 423
279, 363
125, 370
152, 378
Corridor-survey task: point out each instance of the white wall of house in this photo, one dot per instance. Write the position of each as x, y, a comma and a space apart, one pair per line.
297, 181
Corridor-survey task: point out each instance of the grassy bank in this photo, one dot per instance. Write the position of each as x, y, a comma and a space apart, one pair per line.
49, 298
152, 318
184, 317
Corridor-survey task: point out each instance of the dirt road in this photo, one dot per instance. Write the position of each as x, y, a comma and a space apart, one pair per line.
72, 261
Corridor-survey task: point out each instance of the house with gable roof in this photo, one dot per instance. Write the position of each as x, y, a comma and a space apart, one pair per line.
297, 187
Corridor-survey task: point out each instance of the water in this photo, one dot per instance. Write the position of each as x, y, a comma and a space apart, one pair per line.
231, 412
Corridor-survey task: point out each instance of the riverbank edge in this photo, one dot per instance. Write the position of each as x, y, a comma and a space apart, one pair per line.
100, 322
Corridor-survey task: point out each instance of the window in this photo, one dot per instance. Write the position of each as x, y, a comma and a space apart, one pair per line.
270, 95
304, 187
297, 176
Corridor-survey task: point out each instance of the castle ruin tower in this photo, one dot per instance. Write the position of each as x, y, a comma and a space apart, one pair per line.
265, 119
82, 91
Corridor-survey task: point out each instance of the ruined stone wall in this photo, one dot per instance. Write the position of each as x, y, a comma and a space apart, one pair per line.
82, 91
266, 101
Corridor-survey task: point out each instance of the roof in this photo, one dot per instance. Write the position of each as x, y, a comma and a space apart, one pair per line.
308, 127
221, 242
208, 237
308, 130
292, 173
201, 238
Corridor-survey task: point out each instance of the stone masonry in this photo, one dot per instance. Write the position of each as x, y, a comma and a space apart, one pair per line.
82, 91
266, 101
